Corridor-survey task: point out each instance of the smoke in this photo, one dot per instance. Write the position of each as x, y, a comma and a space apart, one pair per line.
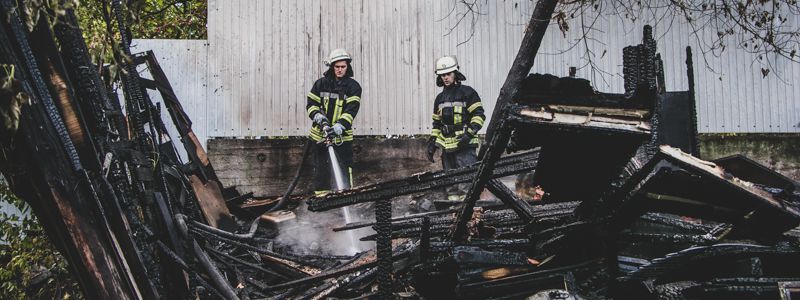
311, 233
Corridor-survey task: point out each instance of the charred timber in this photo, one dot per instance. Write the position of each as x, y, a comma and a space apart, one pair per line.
765, 212
46, 170
508, 165
486, 168
523, 284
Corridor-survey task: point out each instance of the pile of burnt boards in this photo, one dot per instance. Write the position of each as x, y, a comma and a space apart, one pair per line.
629, 211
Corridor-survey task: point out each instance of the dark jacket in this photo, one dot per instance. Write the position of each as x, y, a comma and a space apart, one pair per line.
457, 111
339, 100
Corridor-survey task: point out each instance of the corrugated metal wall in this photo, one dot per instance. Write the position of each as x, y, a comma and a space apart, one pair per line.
264, 55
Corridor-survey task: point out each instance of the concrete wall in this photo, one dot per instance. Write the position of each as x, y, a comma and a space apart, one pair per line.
266, 166
779, 152
379, 159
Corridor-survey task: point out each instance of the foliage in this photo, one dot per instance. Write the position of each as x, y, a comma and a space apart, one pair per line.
35, 9
30, 267
146, 19
768, 29
764, 28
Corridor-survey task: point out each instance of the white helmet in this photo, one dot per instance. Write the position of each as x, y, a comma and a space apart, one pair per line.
446, 64
337, 55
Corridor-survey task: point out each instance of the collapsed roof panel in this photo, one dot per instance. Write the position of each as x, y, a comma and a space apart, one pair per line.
705, 189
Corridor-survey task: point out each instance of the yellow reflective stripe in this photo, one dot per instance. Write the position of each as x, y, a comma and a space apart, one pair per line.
348, 117
353, 98
322, 192
337, 111
447, 142
314, 97
474, 106
316, 137
477, 120
313, 108
436, 132
440, 143
457, 110
437, 117
456, 197
315, 134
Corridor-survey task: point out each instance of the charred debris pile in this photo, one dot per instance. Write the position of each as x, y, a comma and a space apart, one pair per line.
623, 215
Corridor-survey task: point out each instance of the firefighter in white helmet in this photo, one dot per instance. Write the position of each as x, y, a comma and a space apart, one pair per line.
457, 117
334, 100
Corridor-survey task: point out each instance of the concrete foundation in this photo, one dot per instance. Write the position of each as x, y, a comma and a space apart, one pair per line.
779, 152
267, 166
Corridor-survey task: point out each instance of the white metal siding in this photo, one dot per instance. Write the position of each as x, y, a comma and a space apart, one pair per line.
264, 55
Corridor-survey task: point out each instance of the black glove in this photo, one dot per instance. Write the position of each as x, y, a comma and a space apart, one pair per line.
431, 149
464, 140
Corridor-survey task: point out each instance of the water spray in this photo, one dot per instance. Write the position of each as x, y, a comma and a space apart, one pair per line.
341, 183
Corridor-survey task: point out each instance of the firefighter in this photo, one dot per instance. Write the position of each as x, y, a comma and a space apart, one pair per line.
334, 100
457, 117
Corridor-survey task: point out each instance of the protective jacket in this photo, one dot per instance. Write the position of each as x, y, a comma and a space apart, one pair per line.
339, 100
457, 111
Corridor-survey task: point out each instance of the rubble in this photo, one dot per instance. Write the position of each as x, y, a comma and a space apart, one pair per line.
617, 212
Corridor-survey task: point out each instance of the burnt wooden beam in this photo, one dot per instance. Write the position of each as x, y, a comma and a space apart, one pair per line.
690, 78
475, 255
194, 149
486, 167
522, 208
44, 169
534, 33
509, 165
523, 284
85, 79
356, 225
